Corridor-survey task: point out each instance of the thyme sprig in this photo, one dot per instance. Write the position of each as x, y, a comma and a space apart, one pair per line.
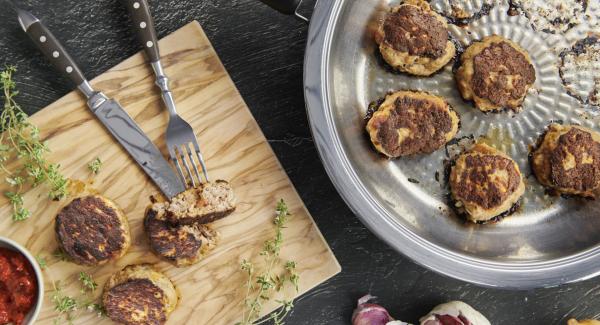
41, 262
63, 304
87, 282
69, 308
262, 284
94, 165
21, 139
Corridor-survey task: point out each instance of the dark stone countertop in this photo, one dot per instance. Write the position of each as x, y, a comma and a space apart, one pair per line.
263, 51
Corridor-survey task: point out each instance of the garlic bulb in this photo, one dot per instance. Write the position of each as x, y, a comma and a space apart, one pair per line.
370, 314
454, 313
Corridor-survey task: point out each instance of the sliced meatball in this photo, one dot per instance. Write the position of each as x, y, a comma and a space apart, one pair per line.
200, 205
180, 244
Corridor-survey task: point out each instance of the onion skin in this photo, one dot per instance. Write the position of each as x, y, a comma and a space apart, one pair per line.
370, 314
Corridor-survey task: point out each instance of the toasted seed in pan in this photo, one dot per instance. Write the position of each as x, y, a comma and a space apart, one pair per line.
580, 68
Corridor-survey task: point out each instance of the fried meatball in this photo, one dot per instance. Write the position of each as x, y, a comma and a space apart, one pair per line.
92, 230
412, 122
203, 204
485, 183
138, 295
568, 160
414, 39
495, 73
180, 244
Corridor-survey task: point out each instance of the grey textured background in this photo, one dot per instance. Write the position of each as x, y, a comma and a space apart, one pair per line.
263, 51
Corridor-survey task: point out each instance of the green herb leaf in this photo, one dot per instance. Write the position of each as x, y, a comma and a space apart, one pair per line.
262, 284
87, 282
21, 139
94, 165
41, 261
63, 304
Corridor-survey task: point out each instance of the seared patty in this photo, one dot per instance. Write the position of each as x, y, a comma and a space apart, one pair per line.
180, 244
92, 230
568, 160
412, 122
203, 204
414, 39
495, 73
139, 295
485, 183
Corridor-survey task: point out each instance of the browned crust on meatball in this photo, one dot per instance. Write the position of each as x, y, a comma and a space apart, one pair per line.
496, 73
485, 183
477, 188
412, 38
585, 176
137, 301
414, 123
92, 230
415, 30
182, 244
568, 160
502, 74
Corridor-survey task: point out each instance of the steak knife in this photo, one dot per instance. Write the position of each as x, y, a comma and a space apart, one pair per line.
122, 127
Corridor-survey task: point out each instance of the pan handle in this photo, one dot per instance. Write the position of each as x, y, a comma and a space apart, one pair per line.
287, 7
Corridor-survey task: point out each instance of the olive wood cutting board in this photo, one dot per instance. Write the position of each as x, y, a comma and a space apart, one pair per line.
235, 149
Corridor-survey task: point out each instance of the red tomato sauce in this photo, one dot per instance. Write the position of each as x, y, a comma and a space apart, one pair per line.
18, 287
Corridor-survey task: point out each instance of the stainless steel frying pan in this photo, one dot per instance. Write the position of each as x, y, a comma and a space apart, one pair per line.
550, 241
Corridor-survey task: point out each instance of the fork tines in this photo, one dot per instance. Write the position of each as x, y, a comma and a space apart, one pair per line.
183, 154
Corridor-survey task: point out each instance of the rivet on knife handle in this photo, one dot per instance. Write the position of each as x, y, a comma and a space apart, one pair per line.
50, 46
144, 26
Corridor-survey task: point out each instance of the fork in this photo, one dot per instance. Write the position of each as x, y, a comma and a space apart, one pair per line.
181, 140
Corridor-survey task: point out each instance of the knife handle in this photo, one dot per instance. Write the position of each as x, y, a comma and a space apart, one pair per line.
50, 46
144, 25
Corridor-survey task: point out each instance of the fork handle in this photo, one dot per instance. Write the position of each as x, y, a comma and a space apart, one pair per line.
144, 26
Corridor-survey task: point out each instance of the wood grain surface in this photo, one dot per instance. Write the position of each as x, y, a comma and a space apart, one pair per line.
234, 148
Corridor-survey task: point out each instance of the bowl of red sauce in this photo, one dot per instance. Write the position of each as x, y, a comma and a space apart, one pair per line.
21, 285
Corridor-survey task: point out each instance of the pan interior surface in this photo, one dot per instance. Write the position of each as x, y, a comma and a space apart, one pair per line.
410, 194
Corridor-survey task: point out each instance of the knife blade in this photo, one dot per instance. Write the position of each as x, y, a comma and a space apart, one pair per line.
108, 111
